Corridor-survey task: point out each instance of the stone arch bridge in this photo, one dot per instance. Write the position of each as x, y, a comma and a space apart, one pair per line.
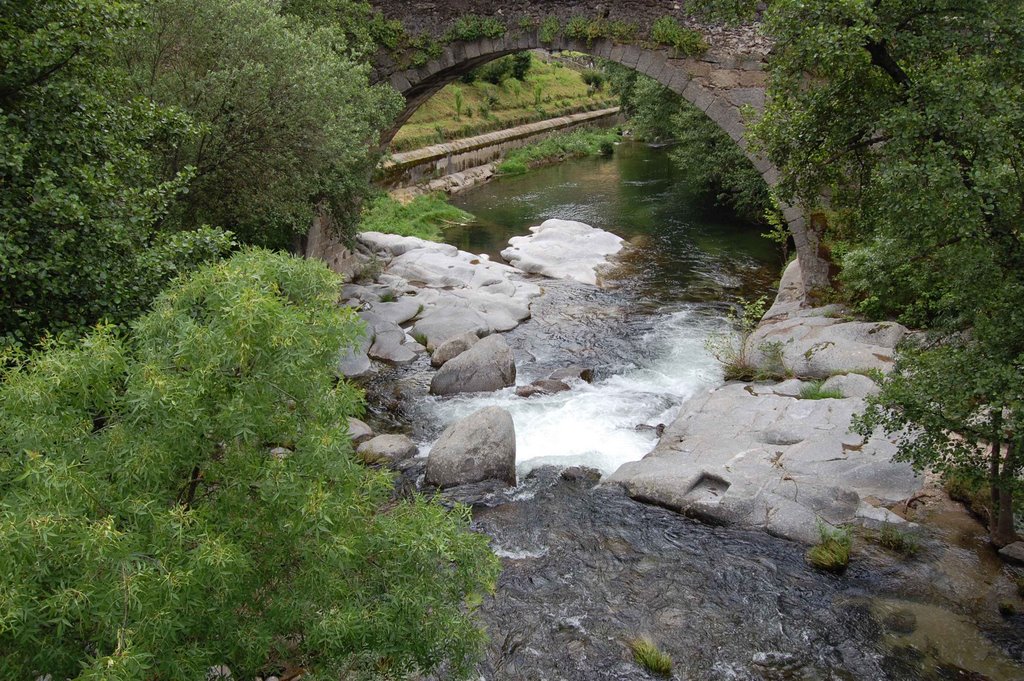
722, 81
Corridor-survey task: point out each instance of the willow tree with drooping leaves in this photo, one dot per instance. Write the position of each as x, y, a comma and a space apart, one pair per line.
908, 115
184, 496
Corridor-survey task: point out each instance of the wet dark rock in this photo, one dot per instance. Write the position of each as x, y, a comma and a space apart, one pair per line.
901, 622
585, 569
581, 474
544, 386
658, 430
569, 373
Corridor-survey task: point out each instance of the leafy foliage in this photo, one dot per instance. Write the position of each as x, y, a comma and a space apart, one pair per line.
832, 553
186, 496
424, 217
80, 196
475, 27
813, 391
273, 98
667, 31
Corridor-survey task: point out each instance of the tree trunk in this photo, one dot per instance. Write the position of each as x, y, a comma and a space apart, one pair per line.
1002, 528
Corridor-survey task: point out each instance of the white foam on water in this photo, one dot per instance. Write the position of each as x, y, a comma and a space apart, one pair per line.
595, 425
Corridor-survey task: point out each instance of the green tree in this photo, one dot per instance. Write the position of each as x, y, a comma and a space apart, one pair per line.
907, 115
287, 124
185, 495
80, 197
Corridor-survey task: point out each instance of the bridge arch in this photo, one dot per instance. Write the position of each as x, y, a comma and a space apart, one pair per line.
721, 83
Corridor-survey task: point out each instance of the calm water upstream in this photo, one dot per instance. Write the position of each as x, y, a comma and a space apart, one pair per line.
586, 569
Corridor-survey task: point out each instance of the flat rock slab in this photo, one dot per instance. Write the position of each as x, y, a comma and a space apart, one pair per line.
563, 249
745, 455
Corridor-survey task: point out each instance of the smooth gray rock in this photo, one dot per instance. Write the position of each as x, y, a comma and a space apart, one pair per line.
480, 447
851, 385
399, 311
452, 348
818, 342
1013, 552
442, 323
358, 431
388, 346
485, 367
563, 249
386, 449
353, 362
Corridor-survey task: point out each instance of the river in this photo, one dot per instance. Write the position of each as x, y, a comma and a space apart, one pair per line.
586, 568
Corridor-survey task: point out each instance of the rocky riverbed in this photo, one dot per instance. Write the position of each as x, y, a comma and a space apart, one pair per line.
587, 567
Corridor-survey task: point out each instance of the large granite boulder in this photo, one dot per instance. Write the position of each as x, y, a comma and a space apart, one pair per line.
480, 447
749, 456
563, 249
485, 367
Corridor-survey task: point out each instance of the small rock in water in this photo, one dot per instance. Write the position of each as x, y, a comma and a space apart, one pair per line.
572, 372
544, 386
386, 449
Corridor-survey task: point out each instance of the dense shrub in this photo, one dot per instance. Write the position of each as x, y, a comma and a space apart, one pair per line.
185, 495
80, 195
286, 122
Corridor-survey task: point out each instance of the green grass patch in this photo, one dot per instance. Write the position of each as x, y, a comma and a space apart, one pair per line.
900, 541
832, 553
649, 656
667, 31
424, 217
814, 391
575, 144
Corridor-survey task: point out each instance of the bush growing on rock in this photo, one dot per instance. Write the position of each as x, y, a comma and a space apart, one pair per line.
185, 496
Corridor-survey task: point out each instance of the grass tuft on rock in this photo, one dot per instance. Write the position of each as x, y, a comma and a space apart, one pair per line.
814, 391
832, 553
649, 656
902, 542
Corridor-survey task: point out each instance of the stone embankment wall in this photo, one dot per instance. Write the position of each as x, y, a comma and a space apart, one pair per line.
441, 160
